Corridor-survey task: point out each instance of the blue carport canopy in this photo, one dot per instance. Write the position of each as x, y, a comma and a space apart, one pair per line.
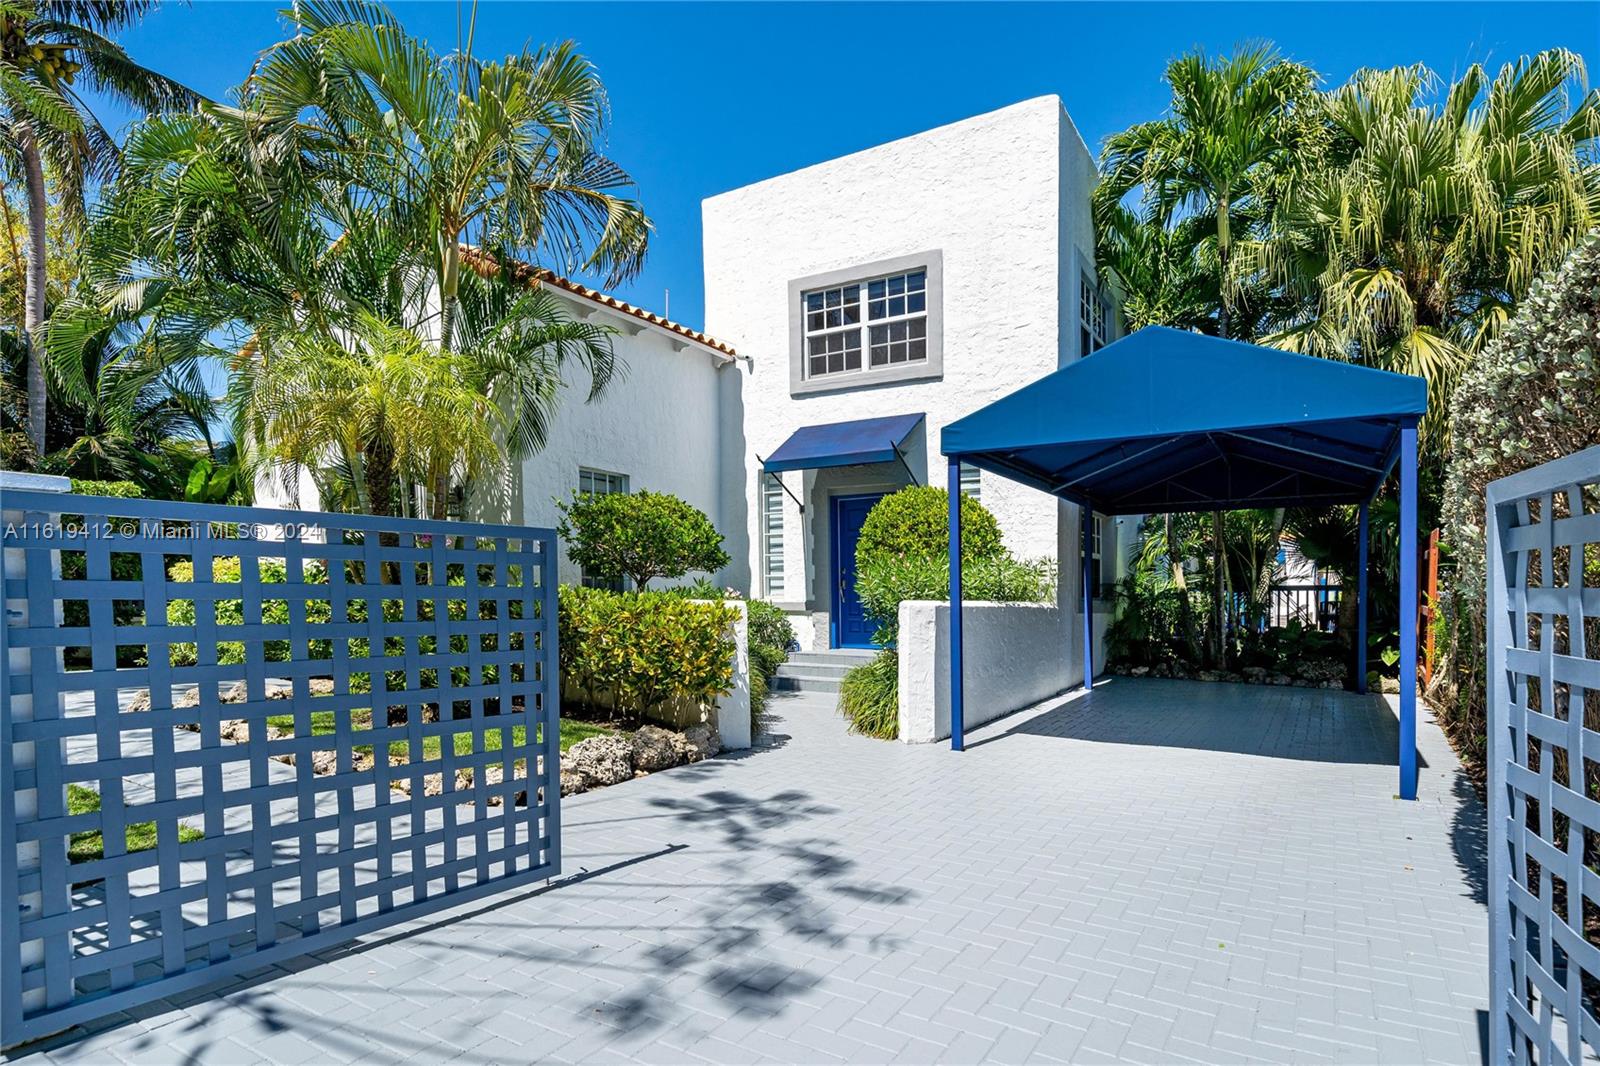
866, 440
1164, 420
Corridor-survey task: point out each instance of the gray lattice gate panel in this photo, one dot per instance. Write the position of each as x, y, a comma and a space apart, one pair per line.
1543, 601
347, 727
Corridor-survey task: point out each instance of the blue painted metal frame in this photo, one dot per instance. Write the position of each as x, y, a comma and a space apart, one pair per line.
292, 861
1085, 563
957, 695
835, 639
1408, 612
1361, 598
1542, 529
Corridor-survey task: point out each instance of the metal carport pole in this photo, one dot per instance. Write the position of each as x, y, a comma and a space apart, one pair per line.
1408, 612
1085, 545
1361, 600
957, 741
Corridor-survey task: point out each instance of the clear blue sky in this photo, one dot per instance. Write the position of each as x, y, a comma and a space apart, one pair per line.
708, 97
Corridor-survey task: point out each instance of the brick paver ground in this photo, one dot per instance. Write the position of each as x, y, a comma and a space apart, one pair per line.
1164, 871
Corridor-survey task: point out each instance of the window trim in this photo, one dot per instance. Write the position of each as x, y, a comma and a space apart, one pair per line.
932, 368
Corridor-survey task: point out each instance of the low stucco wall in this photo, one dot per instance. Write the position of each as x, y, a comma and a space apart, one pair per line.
1016, 654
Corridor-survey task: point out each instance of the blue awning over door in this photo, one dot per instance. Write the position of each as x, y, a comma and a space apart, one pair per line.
866, 440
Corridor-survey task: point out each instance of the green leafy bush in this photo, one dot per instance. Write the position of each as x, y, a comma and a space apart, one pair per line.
888, 581
122, 490
641, 649
869, 696
1528, 398
640, 535
914, 523
771, 637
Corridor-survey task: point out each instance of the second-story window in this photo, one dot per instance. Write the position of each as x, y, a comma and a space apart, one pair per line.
895, 317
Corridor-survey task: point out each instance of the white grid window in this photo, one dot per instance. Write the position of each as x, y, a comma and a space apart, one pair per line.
601, 483
1092, 316
772, 535
896, 317
971, 481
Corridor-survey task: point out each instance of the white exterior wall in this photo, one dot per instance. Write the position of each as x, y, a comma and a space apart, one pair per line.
658, 421
1004, 197
1015, 654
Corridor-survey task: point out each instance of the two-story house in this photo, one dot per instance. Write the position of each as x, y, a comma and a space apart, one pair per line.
881, 296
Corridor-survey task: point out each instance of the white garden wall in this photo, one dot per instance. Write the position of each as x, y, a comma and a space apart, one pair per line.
1015, 654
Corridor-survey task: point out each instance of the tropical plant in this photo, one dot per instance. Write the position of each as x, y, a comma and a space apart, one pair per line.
45, 45
914, 523
1429, 214
392, 409
124, 403
341, 188
869, 696
1235, 136
1528, 398
640, 535
1161, 273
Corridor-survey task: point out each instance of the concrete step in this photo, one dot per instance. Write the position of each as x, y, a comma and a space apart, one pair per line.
832, 657
817, 669
804, 683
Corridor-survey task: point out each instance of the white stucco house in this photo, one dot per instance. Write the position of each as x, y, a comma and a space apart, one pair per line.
871, 299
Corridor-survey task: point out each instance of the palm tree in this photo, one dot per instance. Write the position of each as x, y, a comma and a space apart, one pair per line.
45, 45
1229, 145
392, 409
1161, 273
1429, 218
129, 408
500, 154
1232, 140
343, 186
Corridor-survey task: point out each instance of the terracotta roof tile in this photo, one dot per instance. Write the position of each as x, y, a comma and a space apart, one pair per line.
487, 266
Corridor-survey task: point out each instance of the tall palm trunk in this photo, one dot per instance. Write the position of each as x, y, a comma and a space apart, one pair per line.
449, 299
1219, 569
33, 287
380, 475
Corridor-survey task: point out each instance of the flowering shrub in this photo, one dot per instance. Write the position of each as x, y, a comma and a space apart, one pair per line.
1528, 398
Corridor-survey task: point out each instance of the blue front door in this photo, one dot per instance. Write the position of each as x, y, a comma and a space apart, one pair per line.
851, 626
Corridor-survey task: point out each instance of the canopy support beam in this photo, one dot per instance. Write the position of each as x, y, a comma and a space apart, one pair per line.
1408, 612
1361, 600
1085, 561
957, 725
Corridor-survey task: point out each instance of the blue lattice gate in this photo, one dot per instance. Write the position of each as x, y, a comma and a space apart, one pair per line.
351, 721
1543, 600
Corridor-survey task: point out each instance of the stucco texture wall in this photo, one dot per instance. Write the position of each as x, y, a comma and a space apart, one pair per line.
1014, 655
660, 421
988, 194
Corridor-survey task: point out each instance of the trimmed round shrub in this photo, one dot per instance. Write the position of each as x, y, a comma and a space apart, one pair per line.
914, 523
639, 535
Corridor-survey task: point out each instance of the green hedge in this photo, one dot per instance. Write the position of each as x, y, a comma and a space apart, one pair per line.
641, 649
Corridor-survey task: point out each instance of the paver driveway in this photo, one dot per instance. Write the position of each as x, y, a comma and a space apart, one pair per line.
1162, 871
